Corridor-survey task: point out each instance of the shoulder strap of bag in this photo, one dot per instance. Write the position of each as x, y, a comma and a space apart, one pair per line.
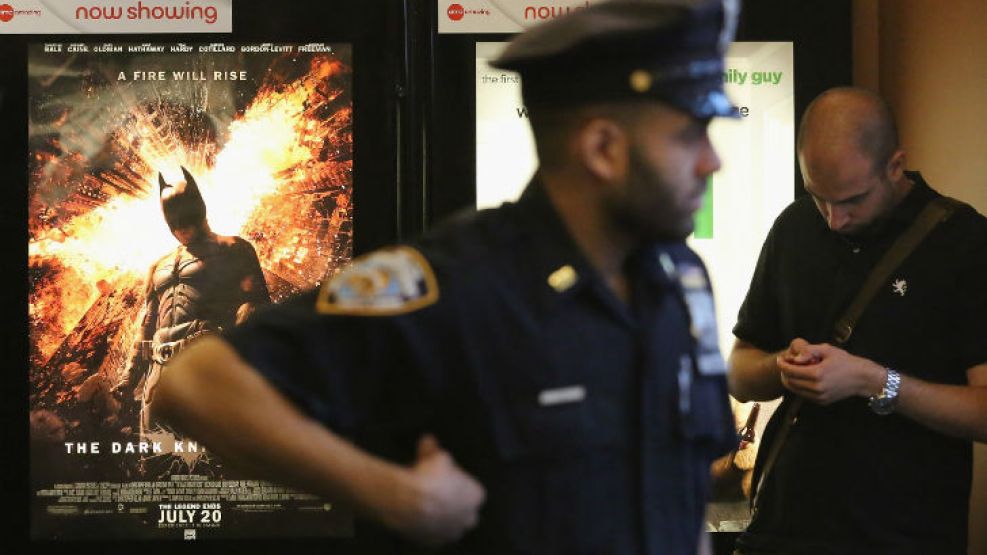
934, 213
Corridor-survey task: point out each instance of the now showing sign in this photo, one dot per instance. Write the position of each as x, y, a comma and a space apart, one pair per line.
53, 17
501, 16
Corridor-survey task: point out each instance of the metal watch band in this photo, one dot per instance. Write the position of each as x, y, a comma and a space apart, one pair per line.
885, 402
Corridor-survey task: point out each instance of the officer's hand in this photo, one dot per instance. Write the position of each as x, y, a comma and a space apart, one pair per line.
825, 374
441, 501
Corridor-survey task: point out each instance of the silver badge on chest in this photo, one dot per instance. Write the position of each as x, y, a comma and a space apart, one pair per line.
702, 314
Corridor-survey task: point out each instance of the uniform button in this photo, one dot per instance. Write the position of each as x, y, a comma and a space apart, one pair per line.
563, 278
856, 250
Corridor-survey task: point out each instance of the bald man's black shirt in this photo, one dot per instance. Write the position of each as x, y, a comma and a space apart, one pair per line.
848, 480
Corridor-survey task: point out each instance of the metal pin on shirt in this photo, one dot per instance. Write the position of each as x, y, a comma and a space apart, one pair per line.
563, 278
562, 395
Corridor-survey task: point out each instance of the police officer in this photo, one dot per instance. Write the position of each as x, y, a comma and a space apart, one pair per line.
539, 378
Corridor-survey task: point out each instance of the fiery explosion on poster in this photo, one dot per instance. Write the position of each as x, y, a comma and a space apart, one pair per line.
264, 133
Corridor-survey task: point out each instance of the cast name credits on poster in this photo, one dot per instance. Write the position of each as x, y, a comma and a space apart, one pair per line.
258, 134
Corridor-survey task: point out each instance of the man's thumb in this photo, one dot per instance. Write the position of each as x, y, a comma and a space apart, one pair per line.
798, 345
428, 446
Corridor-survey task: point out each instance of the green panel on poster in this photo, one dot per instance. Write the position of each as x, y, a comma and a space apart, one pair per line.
704, 216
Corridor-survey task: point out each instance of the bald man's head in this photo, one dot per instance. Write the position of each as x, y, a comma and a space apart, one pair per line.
849, 119
850, 159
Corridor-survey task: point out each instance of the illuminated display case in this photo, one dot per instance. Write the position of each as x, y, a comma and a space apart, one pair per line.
291, 127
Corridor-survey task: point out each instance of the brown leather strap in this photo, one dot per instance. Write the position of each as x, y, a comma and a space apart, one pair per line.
789, 419
938, 210
935, 212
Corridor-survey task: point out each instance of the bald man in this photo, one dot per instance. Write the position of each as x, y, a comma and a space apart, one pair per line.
878, 459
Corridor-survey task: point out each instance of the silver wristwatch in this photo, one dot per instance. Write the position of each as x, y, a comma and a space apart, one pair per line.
884, 402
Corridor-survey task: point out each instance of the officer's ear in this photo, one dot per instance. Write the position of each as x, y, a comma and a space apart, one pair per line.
602, 147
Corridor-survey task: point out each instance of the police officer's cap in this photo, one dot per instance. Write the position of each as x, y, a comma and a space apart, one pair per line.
667, 50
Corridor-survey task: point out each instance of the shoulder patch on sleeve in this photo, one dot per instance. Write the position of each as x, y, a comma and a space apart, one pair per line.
386, 282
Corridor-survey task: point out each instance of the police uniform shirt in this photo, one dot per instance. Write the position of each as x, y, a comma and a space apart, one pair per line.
848, 480
590, 423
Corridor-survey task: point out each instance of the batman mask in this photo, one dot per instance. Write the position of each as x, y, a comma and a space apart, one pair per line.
181, 202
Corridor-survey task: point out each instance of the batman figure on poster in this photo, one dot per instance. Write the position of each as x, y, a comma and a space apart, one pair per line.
209, 283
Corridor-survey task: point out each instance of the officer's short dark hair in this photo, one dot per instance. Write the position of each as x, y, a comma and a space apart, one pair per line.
551, 127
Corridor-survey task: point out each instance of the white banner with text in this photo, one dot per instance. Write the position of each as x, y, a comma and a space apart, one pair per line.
54, 17
501, 16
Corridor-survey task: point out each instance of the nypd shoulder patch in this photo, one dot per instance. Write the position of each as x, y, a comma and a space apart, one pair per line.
387, 282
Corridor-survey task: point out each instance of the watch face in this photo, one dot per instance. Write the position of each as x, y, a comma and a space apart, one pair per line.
882, 408
884, 402
881, 404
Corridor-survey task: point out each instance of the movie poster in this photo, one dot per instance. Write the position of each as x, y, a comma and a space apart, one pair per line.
174, 190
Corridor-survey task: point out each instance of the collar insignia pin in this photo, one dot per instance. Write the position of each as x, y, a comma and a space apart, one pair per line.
563, 278
900, 286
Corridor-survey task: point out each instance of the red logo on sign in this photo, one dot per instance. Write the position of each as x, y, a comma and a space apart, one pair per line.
455, 12
6, 12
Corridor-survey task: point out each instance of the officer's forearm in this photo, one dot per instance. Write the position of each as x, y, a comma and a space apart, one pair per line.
955, 410
753, 374
211, 394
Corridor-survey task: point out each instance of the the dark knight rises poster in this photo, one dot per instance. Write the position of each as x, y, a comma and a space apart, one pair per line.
174, 189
